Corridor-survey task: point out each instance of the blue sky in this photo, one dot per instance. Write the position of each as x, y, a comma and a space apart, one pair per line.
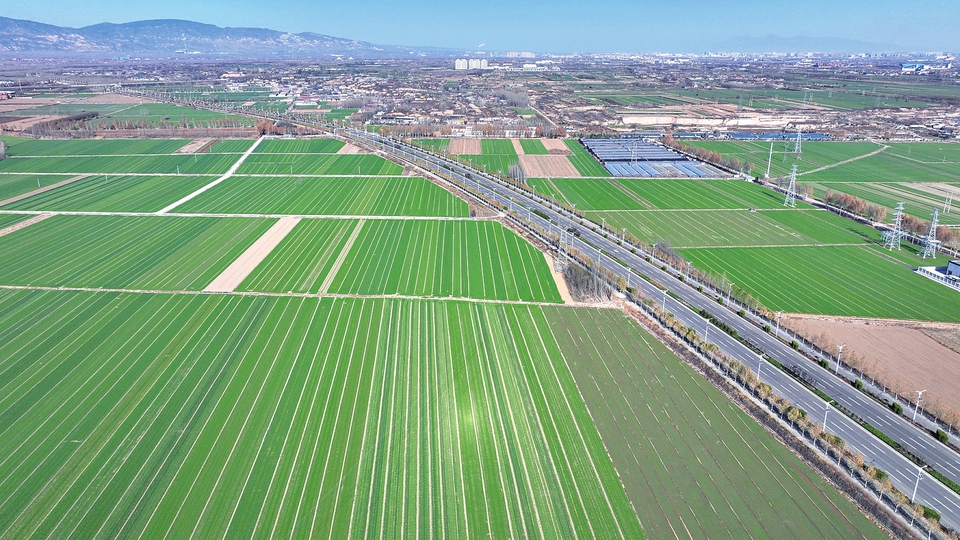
545, 25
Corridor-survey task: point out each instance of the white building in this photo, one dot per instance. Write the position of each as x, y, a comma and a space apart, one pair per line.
460, 63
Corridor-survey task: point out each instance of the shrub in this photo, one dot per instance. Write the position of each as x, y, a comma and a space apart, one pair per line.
700, 288
824, 363
794, 345
720, 301
942, 436
930, 513
858, 384
896, 407
766, 328
742, 313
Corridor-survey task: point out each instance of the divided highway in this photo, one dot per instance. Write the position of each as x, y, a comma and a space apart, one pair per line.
902, 471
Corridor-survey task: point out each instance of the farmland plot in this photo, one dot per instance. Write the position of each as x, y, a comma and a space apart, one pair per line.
304, 259
462, 259
692, 463
93, 147
596, 194
533, 147
854, 281
224, 416
299, 146
9, 219
173, 164
319, 164
12, 185
125, 252
231, 146
102, 193
584, 161
691, 228
356, 196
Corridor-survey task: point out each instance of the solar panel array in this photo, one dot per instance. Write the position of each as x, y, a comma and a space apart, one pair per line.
635, 158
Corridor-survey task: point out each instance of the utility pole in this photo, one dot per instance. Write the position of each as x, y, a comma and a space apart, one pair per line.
839, 354
778, 324
915, 486
917, 406
769, 161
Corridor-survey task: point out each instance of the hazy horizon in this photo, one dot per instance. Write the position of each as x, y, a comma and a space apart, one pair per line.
561, 26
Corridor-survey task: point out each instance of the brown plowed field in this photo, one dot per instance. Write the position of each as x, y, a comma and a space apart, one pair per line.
471, 147
903, 354
556, 147
548, 167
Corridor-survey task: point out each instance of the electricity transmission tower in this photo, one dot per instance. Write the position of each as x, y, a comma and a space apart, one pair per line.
791, 199
931, 242
947, 204
798, 149
891, 238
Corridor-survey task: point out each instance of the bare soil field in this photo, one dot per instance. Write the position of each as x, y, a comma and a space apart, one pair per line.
194, 145
517, 146
548, 167
556, 147
26, 122
19, 104
351, 149
470, 147
904, 354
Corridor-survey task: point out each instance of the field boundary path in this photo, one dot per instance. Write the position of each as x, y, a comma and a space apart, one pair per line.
844, 162
19, 225
233, 276
327, 281
517, 147
306, 295
213, 184
41, 190
558, 278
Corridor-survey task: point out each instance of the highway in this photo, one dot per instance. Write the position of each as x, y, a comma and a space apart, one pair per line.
902, 471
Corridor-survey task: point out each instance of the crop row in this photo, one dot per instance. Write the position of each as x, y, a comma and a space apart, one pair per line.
125, 252
468, 259
834, 280
689, 459
85, 147
103, 193
171, 164
225, 416
299, 146
584, 161
319, 164
353, 196
12, 185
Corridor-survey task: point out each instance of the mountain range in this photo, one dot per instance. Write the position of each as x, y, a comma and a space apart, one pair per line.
171, 36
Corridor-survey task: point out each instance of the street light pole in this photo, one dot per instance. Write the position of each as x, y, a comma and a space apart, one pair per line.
664, 300
623, 236
826, 409
917, 406
839, 355
778, 324
915, 486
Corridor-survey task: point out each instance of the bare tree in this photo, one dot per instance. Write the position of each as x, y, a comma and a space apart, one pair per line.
3, 150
